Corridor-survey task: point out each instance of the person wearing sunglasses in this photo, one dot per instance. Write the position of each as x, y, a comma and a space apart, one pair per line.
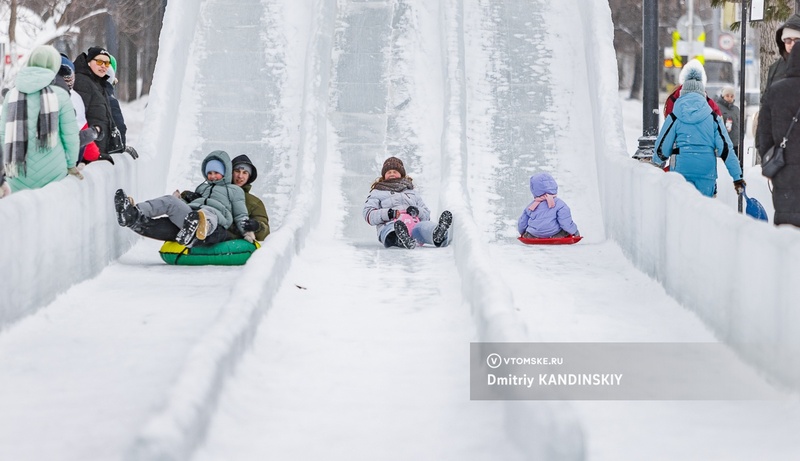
91, 73
786, 36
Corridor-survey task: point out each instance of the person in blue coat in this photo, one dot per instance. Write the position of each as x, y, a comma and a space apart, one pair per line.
700, 137
552, 220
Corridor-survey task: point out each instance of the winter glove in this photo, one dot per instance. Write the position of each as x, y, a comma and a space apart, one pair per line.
86, 136
391, 214
189, 196
132, 152
5, 190
106, 156
74, 172
739, 186
250, 237
250, 225
412, 211
576, 234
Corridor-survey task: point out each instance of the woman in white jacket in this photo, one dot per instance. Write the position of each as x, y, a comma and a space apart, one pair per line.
401, 217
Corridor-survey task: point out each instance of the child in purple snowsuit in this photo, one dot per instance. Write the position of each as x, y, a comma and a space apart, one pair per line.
551, 220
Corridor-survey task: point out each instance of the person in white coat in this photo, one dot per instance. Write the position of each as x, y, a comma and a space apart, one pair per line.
401, 217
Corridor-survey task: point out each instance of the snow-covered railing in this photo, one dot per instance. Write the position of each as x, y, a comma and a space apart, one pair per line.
543, 430
734, 272
175, 432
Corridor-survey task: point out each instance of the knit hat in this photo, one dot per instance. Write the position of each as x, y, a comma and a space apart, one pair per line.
46, 57
215, 165
242, 162
113, 62
788, 32
694, 81
393, 163
727, 90
95, 51
67, 67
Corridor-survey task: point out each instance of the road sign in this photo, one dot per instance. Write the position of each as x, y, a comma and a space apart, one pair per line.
726, 42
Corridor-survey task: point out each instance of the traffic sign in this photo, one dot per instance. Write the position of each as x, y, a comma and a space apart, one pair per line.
727, 42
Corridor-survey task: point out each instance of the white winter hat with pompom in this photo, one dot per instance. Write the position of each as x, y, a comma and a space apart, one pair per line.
693, 78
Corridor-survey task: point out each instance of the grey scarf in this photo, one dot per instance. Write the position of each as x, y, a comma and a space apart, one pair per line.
15, 149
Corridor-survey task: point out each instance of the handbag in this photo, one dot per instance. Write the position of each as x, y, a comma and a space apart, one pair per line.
772, 162
115, 145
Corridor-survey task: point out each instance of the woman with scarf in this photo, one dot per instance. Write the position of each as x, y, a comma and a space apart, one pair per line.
38, 131
400, 215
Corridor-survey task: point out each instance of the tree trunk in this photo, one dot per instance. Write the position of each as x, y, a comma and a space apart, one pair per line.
768, 53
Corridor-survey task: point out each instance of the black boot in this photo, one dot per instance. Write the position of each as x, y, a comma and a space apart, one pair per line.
127, 213
404, 240
440, 232
186, 236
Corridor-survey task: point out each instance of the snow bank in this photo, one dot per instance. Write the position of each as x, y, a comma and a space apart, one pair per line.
67, 232
681, 238
542, 430
176, 431
60, 235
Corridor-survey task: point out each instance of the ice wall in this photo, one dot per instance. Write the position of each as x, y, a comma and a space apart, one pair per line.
735, 272
67, 232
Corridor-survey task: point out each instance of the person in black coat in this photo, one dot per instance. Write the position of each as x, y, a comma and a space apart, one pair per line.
780, 104
90, 78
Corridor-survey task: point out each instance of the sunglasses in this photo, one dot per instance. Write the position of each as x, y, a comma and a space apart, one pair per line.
790, 41
102, 63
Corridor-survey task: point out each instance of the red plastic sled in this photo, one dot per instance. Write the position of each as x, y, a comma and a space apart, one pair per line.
551, 241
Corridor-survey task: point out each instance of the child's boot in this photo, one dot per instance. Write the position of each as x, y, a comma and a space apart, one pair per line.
440, 232
187, 234
127, 213
404, 240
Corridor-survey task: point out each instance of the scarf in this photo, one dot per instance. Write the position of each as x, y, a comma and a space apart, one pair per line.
549, 198
393, 185
15, 149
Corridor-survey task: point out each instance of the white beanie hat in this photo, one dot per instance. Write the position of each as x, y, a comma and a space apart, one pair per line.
790, 33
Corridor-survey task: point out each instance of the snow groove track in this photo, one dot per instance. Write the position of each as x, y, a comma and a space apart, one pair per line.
301, 381
175, 432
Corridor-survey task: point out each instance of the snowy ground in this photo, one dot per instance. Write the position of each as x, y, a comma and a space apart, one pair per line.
362, 353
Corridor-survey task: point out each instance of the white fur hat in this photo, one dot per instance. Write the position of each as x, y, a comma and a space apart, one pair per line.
693, 64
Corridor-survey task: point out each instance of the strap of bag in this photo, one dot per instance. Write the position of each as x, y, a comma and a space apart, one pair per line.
791, 125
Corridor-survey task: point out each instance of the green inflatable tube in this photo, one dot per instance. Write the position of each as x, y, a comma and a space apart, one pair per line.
229, 253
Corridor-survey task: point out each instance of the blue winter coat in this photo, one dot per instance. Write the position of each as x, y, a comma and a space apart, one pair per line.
701, 137
545, 222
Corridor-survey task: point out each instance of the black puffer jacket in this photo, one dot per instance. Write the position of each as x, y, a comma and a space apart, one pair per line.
777, 70
92, 91
779, 106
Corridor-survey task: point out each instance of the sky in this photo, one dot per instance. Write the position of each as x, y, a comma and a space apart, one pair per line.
361, 352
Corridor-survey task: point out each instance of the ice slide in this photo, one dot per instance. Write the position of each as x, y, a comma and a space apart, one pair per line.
343, 374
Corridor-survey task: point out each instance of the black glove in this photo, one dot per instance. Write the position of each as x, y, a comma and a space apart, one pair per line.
106, 156
189, 196
250, 225
391, 213
132, 152
739, 186
412, 211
